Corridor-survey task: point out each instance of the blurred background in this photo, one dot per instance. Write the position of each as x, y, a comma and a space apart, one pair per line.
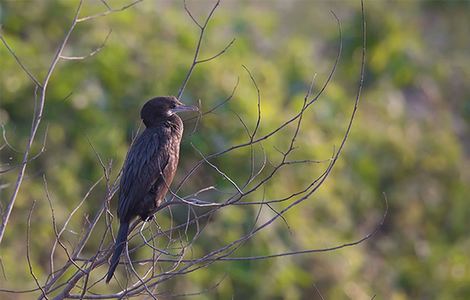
410, 139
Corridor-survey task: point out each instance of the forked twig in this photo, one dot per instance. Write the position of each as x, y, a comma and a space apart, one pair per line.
196, 60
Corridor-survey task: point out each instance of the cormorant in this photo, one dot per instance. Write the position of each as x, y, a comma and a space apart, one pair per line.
149, 167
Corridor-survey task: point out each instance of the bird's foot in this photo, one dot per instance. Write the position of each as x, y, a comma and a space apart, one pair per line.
148, 218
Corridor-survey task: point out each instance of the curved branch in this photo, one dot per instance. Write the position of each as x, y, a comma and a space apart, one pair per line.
35, 124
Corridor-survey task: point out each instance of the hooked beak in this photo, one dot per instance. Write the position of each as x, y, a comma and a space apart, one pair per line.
183, 107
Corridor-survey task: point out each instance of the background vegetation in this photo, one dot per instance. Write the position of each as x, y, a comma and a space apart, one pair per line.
410, 139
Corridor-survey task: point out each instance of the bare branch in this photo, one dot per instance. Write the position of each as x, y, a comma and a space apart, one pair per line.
218, 54
28, 229
109, 11
18, 60
202, 29
35, 124
91, 53
222, 103
191, 15
258, 120
4, 132
318, 291
218, 170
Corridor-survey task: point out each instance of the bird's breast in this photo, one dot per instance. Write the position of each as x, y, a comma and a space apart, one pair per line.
171, 147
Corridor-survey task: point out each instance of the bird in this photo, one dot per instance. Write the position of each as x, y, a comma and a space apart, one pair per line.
149, 167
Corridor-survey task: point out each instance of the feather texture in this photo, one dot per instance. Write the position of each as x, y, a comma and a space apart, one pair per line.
149, 168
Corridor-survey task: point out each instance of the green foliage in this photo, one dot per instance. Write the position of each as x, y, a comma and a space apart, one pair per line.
409, 141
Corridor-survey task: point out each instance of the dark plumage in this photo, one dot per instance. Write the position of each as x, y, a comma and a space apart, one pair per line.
149, 167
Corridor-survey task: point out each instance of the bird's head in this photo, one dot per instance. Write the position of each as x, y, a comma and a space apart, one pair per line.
161, 108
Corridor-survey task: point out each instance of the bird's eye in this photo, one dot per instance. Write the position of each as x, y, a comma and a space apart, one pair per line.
173, 105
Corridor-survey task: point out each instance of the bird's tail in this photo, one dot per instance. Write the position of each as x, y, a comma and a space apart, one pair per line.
118, 247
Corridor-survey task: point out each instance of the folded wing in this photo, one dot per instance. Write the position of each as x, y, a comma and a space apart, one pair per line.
144, 165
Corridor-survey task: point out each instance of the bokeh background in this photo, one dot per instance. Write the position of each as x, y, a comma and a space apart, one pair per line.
410, 139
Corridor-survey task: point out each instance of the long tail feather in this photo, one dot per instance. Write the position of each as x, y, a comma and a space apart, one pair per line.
118, 248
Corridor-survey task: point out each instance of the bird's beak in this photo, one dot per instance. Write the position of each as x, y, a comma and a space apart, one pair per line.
183, 107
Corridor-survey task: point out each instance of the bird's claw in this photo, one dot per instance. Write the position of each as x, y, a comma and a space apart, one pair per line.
149, 218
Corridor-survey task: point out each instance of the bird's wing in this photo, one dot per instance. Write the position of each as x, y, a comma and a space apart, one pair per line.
144, 164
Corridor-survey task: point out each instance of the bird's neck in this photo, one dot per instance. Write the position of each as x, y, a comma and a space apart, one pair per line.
173, 122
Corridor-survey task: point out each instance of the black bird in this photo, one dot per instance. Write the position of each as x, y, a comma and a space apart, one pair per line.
149, 167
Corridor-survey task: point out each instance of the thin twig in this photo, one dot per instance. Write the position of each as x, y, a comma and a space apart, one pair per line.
28, 249
18, 60
202, 29
92, 53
